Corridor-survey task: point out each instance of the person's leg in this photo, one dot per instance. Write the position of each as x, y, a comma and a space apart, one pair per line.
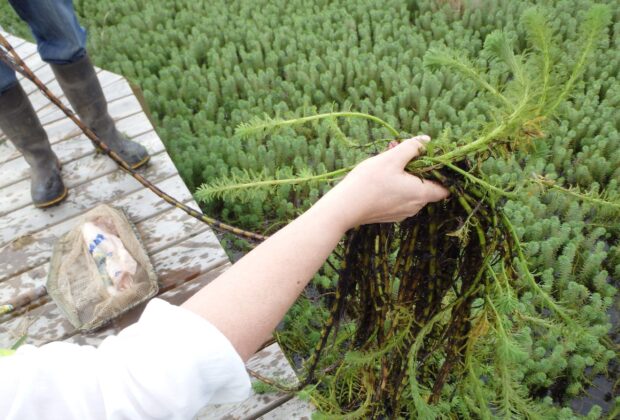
60, 38
79, 82
7, 77
62, 43
20, 123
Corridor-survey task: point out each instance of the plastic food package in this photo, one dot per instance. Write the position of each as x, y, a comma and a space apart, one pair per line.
100, 269
115, 265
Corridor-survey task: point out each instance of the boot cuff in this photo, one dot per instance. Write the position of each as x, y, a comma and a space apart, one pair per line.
73, 71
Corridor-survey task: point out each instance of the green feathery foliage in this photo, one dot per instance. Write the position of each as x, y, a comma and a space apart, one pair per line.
206, 67
411, 346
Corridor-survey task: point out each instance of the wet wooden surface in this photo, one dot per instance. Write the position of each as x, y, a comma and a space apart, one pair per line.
185, 253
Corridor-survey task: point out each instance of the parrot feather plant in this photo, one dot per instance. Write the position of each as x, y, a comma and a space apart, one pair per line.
431, 304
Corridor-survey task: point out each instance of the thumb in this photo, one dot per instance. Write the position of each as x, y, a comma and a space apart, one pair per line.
433, 191
407, 150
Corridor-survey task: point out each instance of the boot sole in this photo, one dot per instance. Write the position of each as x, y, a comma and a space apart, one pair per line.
52, 202
141, 163
65, 192
135, 165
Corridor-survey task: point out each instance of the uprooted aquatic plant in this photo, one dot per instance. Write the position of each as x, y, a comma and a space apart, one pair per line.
434, 300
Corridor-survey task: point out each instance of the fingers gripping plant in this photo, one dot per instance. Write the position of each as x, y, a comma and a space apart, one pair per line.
432, 303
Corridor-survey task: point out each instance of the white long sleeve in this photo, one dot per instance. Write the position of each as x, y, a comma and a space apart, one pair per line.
168, 365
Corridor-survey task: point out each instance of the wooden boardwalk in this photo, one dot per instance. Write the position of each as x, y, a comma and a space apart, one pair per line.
185, 252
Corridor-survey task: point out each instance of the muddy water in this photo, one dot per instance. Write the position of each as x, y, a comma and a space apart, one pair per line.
602, 391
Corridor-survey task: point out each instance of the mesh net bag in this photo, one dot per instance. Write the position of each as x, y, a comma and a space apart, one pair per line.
80, 279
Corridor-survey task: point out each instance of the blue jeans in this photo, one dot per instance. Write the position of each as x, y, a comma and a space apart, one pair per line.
60, 38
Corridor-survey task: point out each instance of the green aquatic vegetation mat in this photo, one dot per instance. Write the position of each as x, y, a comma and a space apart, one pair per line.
206, 67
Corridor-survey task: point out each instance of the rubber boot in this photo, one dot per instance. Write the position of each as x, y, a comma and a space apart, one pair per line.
79, 82
21, 125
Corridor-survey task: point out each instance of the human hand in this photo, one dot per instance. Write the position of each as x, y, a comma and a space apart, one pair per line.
378, 190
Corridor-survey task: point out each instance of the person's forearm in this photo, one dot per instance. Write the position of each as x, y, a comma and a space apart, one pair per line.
248, 301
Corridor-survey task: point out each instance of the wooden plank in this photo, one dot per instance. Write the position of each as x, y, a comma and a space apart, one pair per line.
17, 169
113, 85
70, 149
74, 173
189, 258
42, 70
169, 227
295, 408
28, 220
36, 97
186, 260
45, 75
36, 64
26, 50
16, 43
131, 126
12, 39
29, 251
120, 89
124, 106
58, 122
107, 77
152, 232
39, 100
127, 120
34, 94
